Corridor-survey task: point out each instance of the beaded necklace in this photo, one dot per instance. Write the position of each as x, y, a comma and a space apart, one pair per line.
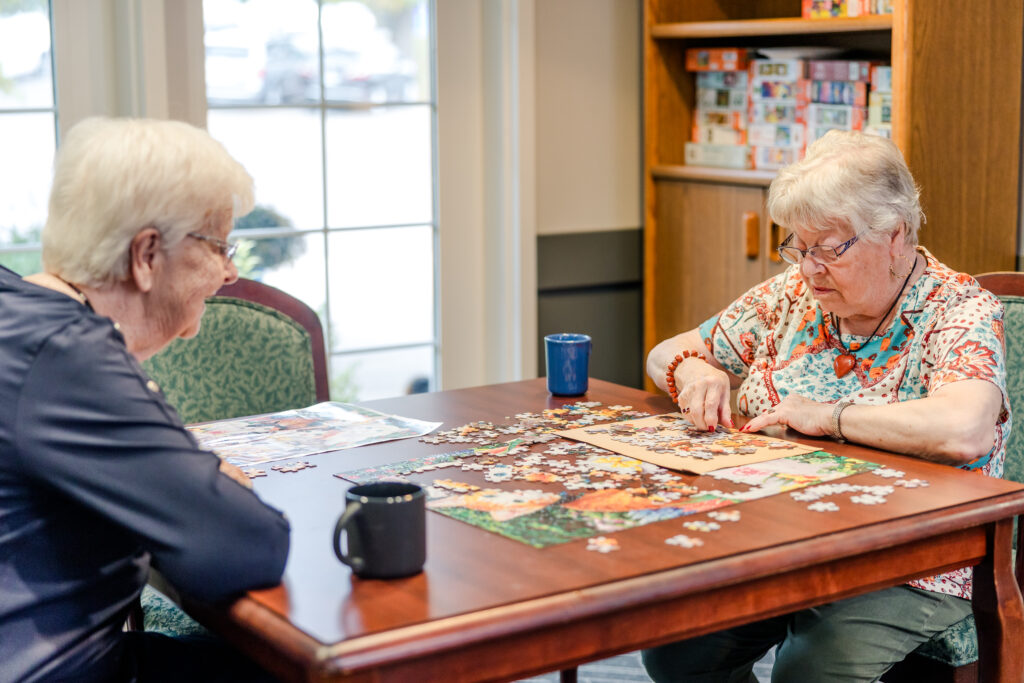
845, 361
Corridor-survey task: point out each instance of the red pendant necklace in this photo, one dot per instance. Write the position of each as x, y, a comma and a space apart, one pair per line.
845, 361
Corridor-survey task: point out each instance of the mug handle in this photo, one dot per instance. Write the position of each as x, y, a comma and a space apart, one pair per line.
351, 558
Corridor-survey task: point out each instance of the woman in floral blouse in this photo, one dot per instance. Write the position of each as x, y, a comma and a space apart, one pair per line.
865, 338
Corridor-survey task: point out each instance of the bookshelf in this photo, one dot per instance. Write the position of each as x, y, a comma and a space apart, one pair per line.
956, 117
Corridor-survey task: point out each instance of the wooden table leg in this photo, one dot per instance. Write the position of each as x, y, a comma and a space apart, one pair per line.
567, 675
998, 610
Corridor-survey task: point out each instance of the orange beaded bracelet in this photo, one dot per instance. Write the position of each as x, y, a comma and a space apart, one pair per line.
673, 364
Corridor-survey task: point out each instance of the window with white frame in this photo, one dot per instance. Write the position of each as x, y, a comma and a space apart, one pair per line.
28, 128
330, 107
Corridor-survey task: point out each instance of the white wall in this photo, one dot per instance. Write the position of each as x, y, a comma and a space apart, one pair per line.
539, 133
486, 164
588, 115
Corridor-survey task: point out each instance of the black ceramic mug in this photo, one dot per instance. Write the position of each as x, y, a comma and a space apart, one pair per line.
385, 529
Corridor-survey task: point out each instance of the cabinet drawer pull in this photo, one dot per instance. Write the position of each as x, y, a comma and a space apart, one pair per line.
752, 230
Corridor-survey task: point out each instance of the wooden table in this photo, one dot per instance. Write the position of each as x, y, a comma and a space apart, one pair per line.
489, 608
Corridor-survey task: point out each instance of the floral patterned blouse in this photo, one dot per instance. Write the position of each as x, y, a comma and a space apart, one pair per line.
779, 341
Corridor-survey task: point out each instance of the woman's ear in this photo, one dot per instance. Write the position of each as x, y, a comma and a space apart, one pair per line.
146, 258
898, 240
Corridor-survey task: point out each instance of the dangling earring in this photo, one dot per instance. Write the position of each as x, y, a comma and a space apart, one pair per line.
893, 273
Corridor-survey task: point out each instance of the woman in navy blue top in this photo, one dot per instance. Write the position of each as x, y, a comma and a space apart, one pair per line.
98, 477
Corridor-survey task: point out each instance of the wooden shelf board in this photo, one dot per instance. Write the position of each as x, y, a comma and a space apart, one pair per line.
732, 176
770, 27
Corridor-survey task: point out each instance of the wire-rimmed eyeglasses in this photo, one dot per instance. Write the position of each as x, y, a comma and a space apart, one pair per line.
226, 249
822, 253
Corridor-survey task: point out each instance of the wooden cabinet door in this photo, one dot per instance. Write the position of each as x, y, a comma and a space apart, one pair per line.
772, 235
702, 261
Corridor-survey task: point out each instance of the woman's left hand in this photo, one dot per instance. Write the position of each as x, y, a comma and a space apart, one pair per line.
802, 414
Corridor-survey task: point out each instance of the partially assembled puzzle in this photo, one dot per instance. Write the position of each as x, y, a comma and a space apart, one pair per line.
673, 442
541, 490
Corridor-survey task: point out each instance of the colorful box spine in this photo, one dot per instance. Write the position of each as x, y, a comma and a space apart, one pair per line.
779, 90
831, 9
722, 80
822, 118
773, 158
717, 135
840, 116
731, 98
839, 70
881, 78
776, 135
721, 156
775, 111
716, 59
880, 109
854, 93
881, 6
776, 70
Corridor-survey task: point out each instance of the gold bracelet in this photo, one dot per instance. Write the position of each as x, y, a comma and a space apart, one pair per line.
837, 432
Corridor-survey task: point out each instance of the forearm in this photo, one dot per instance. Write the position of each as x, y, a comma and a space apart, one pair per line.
954, 425
935, 428
661, 355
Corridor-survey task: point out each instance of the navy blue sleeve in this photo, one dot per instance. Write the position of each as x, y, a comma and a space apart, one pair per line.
89, 427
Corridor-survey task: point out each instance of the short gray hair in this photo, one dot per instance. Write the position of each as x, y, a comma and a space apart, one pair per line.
848, 180
116, 176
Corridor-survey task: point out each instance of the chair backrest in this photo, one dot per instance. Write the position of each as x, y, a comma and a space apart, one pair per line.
258, 350
1009, 287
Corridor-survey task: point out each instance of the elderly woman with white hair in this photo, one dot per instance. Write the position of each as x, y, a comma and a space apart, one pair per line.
866, 338
98, 477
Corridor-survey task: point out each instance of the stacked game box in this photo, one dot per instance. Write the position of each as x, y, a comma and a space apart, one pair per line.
776, 113
762, 113
719, 128
838, 92
880, 102
829, 9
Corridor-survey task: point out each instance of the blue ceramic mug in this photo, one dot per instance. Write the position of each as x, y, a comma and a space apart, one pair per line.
567, 357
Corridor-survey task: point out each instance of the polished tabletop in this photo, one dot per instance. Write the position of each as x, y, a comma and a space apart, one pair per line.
490, 608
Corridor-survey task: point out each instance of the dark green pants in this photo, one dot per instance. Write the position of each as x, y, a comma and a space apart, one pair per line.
857, 639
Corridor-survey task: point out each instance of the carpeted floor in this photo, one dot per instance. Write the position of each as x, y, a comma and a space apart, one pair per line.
627, 668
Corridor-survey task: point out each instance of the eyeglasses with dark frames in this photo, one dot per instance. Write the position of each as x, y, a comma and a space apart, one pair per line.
822, 253
226, 249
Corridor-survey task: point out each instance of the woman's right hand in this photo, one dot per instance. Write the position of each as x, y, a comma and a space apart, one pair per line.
703, 384
703, 394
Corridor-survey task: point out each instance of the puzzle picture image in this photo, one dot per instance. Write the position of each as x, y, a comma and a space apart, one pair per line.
248, 441
673, 442
554, 490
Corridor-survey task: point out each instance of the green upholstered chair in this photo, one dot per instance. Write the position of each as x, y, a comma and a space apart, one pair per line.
953, 654
258, 350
